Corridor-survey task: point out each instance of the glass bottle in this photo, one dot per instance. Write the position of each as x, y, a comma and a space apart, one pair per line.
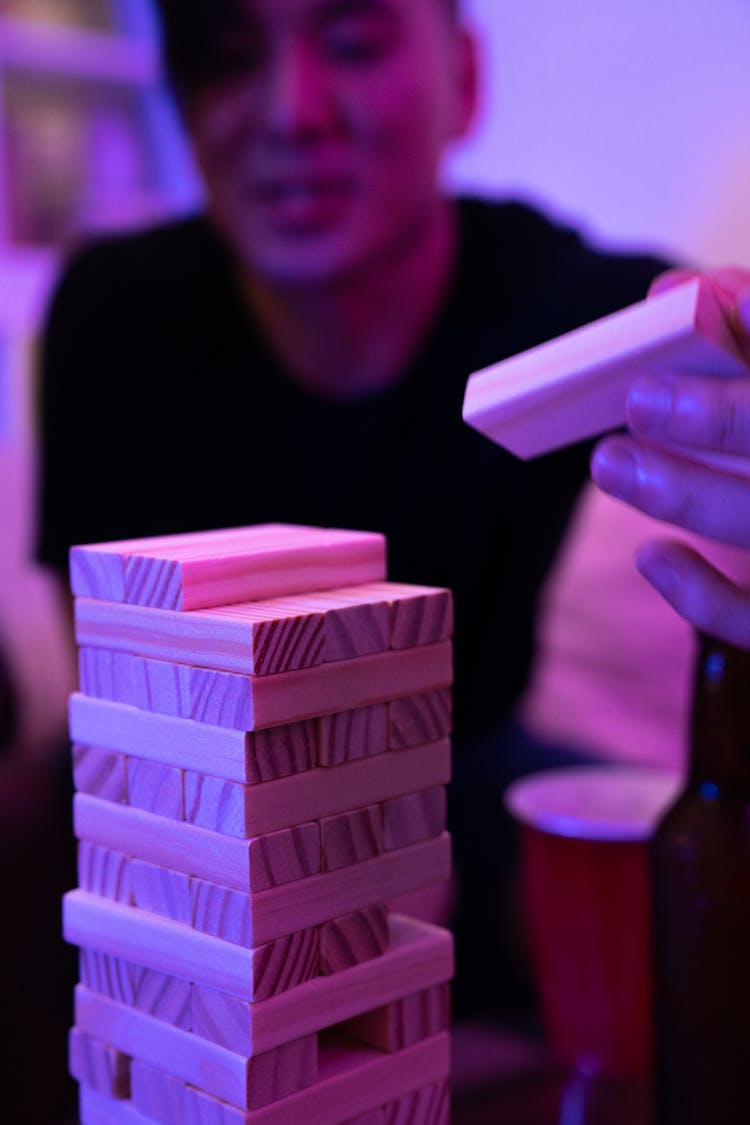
700, 864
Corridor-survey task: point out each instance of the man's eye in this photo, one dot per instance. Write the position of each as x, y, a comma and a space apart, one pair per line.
357, 43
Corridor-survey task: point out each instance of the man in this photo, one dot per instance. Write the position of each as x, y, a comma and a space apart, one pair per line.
300, 354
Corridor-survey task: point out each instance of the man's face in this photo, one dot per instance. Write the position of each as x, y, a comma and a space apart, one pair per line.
321, 132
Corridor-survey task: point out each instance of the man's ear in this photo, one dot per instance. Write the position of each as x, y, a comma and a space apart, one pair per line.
466, 82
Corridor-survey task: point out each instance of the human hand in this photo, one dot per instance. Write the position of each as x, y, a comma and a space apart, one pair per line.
701, 413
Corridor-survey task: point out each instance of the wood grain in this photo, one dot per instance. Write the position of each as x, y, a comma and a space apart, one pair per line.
212, 568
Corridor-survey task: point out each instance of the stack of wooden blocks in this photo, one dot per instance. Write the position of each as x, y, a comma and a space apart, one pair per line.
261, 748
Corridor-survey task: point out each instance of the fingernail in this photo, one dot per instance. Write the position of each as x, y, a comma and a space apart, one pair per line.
615, 470
650, 404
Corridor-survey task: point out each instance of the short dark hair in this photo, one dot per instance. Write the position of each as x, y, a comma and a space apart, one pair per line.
190, 29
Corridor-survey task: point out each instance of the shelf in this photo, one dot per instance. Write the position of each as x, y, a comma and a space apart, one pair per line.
77, 53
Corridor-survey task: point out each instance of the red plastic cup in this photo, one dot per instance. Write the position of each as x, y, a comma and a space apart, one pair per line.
584, 834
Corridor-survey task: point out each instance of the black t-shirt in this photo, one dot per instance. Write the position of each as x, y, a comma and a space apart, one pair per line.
163, 411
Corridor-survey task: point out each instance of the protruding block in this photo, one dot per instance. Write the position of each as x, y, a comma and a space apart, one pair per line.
99, 772
416, 719
348, 735
351, 837
413, 817
212, 568
97, 1065
352, 939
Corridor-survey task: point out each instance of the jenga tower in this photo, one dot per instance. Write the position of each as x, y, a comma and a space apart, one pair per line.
261, 746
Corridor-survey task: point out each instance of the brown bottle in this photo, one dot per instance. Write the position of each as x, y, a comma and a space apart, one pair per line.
701, 886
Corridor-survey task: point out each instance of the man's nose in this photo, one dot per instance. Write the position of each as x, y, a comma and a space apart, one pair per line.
299, 95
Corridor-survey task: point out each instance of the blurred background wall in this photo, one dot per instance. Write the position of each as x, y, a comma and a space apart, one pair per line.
629, 119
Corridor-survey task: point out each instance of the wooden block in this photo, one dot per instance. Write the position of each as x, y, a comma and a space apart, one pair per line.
430, 1105
274, 913
255, 810
281, 751
413, 817
97, 1065
350, 1080
105, 872
257, 638
348, 735
418, 956
249, 757
228, 1021
161, 738
351, 837
354, 938
212, 568
107, 975
391, 1027
162, 891
156, 788
356, 623
278, 964
156, 1094
162, 995
419, 615
99, 772
245, 703
158, 994
576, 385
416, 719
284, 856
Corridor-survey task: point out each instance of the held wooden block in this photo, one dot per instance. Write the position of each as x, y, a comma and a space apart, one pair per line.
249, 757
391, 1027
99, 772
357, 937
347, 735
350, 1080
97, 1065
105, 872
351, 837
162, 891
413, 817
575, 386
274, 913
257, 638
156, 788
245, 703
416, 719
157, 1095
212, 568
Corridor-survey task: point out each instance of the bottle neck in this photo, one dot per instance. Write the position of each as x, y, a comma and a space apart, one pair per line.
720, 726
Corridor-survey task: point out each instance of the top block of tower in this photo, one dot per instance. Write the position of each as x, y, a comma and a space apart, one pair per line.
575, 386
212, 568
